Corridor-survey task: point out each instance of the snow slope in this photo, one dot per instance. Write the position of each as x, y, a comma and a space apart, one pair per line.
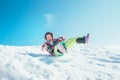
81, 62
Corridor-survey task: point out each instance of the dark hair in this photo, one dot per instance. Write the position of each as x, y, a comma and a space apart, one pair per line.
47, 34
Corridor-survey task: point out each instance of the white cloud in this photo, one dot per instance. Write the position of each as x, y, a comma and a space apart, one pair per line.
50, 18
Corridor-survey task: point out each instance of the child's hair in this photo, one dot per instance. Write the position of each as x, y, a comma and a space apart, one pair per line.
47, 34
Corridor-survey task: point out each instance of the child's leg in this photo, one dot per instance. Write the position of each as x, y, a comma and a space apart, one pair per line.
60, 49
70, 42
56, 53
80, 40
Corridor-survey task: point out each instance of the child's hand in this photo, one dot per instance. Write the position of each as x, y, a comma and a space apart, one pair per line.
61, 39
42, 49
43, 46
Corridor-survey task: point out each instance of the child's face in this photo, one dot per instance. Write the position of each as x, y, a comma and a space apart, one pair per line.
48, 37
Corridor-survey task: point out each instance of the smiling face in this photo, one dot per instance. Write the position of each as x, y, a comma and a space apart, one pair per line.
49, 37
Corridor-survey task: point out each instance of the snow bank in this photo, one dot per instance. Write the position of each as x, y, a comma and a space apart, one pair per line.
81, 62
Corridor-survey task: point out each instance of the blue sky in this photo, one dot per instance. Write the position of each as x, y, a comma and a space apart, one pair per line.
24, 22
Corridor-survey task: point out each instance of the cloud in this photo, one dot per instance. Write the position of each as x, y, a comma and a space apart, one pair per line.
50, 18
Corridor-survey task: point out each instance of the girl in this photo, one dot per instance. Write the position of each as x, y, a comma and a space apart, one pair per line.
57, 47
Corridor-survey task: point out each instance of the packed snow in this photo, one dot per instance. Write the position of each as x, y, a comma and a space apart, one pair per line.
81, 62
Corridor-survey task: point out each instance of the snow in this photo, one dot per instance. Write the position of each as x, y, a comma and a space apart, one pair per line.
81, 62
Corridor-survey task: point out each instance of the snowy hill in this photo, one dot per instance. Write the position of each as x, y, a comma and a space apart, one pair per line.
81, 62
